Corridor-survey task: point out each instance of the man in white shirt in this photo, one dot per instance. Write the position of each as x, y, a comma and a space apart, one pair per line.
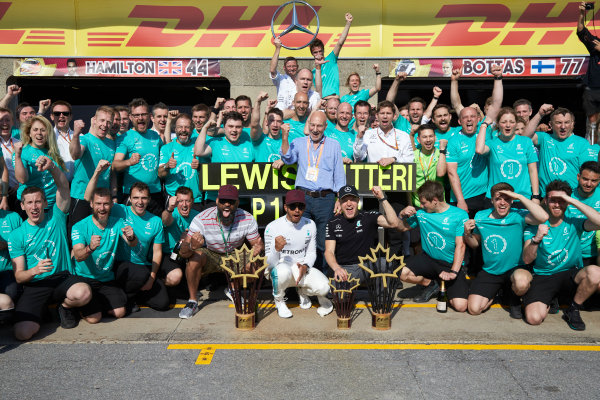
285, 83
61, 114
290, 247
304, 81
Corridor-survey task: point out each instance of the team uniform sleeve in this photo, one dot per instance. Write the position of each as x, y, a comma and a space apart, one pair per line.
16, 246
530, 152
459, 229
123, 146
270, 252
452, 152
329, 231
311, 251
159, 236
78, 234
413, 221
529, 232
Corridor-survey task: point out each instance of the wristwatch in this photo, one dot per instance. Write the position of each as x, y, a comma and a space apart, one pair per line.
442, 151
536, 197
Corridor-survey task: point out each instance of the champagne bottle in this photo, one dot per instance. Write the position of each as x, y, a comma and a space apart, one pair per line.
442, 299
175, 254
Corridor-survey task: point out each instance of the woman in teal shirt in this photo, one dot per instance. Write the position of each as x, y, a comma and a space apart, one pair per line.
353, 82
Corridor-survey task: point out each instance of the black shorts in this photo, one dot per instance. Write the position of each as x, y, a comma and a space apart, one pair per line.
427, 267
167, 265
545, 287
487, 285
105, 296
36, 295
9, 286
591, 101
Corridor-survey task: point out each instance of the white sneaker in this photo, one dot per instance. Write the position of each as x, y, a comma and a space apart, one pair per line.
228, 294
305, 302
282, 309
325, 306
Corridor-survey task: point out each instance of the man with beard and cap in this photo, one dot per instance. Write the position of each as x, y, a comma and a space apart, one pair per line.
61, 114
95, 240
142, 146
87, 151
320, 174
341, 132
290, 247
213, 234
353, 233
284, 83
178, 164
499, 232
176, 221
554, 248
297, 117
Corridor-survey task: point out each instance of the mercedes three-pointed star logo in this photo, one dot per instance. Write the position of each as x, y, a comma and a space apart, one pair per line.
295, 25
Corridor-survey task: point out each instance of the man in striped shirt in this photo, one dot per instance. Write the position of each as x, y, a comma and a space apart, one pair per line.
216, 233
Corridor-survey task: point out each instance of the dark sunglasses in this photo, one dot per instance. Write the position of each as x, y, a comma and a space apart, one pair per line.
293, 206
58, 113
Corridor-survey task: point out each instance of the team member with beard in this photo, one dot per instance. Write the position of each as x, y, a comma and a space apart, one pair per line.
290, 247
554, 248
176, 221
267, 145
441, 119
137, 267
297, 117
430, 162
41, 258
87, 151
344, 136
95, 240
331, 107
353, 233
499, 231
142, 146
213, 234
38, 142
178, 164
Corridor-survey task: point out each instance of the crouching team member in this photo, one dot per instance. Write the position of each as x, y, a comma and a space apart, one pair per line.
176, 221
95, 240
554, 248
290, 247
41, 259
499, 231
215, 233
441, 227
9, 290
354, 233
137, 267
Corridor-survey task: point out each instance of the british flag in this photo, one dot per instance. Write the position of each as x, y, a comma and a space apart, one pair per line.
170, 67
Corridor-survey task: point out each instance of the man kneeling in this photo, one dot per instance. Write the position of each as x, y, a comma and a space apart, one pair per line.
290, 247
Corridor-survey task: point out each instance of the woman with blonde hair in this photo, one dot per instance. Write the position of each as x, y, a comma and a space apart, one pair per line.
356, 94
39, 141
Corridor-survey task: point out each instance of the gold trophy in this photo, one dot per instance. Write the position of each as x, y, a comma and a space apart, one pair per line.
244, 273
382, 276
343, 299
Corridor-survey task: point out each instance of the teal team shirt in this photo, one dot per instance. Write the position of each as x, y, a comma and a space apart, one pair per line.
560, 249
266, 149
345, 139
439, 231
472, 168
402, 124
99, 265
173, 232
146, 170
589, 247
10, 222
330, 76
501, 239
42, 180
183, 174
96, 149
509, 162
352, 99
225, 152
45, 240
595, 150
296, 129
561, 159
15, 132
147, 228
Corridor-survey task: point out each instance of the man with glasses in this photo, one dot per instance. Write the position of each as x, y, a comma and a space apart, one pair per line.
213, 234
142, 146
290, 247
61, 115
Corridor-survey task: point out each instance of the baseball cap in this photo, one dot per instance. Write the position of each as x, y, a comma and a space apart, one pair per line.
347, 190
294, 196
228, 192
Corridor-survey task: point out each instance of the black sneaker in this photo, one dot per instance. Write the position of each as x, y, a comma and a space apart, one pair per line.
69, 318
571, 315
431, 290
554, 306
515, 311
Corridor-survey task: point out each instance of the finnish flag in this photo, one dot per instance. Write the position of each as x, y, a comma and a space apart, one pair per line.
539, 67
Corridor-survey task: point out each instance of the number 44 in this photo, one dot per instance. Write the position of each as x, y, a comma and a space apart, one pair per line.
197, 67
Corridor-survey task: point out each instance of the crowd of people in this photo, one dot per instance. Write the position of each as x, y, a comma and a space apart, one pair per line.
103, 217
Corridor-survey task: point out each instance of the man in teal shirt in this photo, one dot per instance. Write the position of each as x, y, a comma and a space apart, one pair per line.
142, 146
341, 132
95, 240
267, 144
178, 165
441, 227
554, 248
9, 290
297, 117
41, 259
499, 232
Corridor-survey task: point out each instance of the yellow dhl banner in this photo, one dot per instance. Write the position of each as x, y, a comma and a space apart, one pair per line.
242, 29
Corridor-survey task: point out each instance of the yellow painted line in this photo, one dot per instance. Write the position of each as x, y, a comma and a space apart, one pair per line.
207, 351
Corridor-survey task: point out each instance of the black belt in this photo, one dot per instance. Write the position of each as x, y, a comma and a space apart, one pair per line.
316, 193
